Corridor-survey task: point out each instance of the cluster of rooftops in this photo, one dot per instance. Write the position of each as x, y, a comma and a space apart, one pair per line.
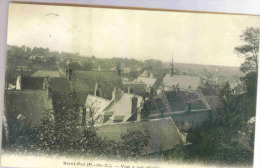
168, 107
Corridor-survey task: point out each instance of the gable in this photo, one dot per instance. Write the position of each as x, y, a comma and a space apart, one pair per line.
96, 103
163, 132
123, 107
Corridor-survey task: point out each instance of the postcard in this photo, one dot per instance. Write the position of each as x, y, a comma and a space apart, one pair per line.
111, 87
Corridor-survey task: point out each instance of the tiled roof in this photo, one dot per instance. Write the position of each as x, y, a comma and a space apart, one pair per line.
44, 73
32, 104
24, 108
84, 81
123, 106
214, 102
147, 81
163, 132
138, 88
184, 81
60, 84
177, 101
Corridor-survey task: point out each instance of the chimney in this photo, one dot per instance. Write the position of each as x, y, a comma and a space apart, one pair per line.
151, 75
130, 90
151, 90
187, 96
177, 88
174, 88
162, 87
171, 68
44, 85
139, 114
97, 90
134, 104
140, 111
48, 89
69, 74
49, 92
116, 94
188, 107
19, 82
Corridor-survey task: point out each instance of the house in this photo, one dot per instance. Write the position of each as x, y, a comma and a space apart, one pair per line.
138, 88
83, 82
122, 107
95, 105
164, 135
25, 108
188, 109
147, 79
59, 84
183, 82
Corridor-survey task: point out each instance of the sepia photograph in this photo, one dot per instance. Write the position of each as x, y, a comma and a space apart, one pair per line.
89, 86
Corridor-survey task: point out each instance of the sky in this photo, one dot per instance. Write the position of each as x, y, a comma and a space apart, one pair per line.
196, 38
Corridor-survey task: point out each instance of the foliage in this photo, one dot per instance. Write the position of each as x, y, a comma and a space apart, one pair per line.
134, 142
153, 64
75, 66
86, 65
250, 49
228, 138
250, 82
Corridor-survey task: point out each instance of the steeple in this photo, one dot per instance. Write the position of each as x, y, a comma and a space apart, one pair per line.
171, 68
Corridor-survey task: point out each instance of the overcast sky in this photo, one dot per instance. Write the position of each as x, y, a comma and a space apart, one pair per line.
197, 38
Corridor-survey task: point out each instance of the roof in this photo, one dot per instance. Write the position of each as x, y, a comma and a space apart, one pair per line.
163, 132
145, 74
97, 103
44, 73
32, 104
147, 81
60, 84
123, 107
184, 81
178, 101
137, 88
84, 81
213, 101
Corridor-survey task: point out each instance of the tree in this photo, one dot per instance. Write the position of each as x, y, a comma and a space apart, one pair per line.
87, 65
250, 49
134, 142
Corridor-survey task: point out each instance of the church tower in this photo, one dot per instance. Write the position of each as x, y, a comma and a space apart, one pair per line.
171, 68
